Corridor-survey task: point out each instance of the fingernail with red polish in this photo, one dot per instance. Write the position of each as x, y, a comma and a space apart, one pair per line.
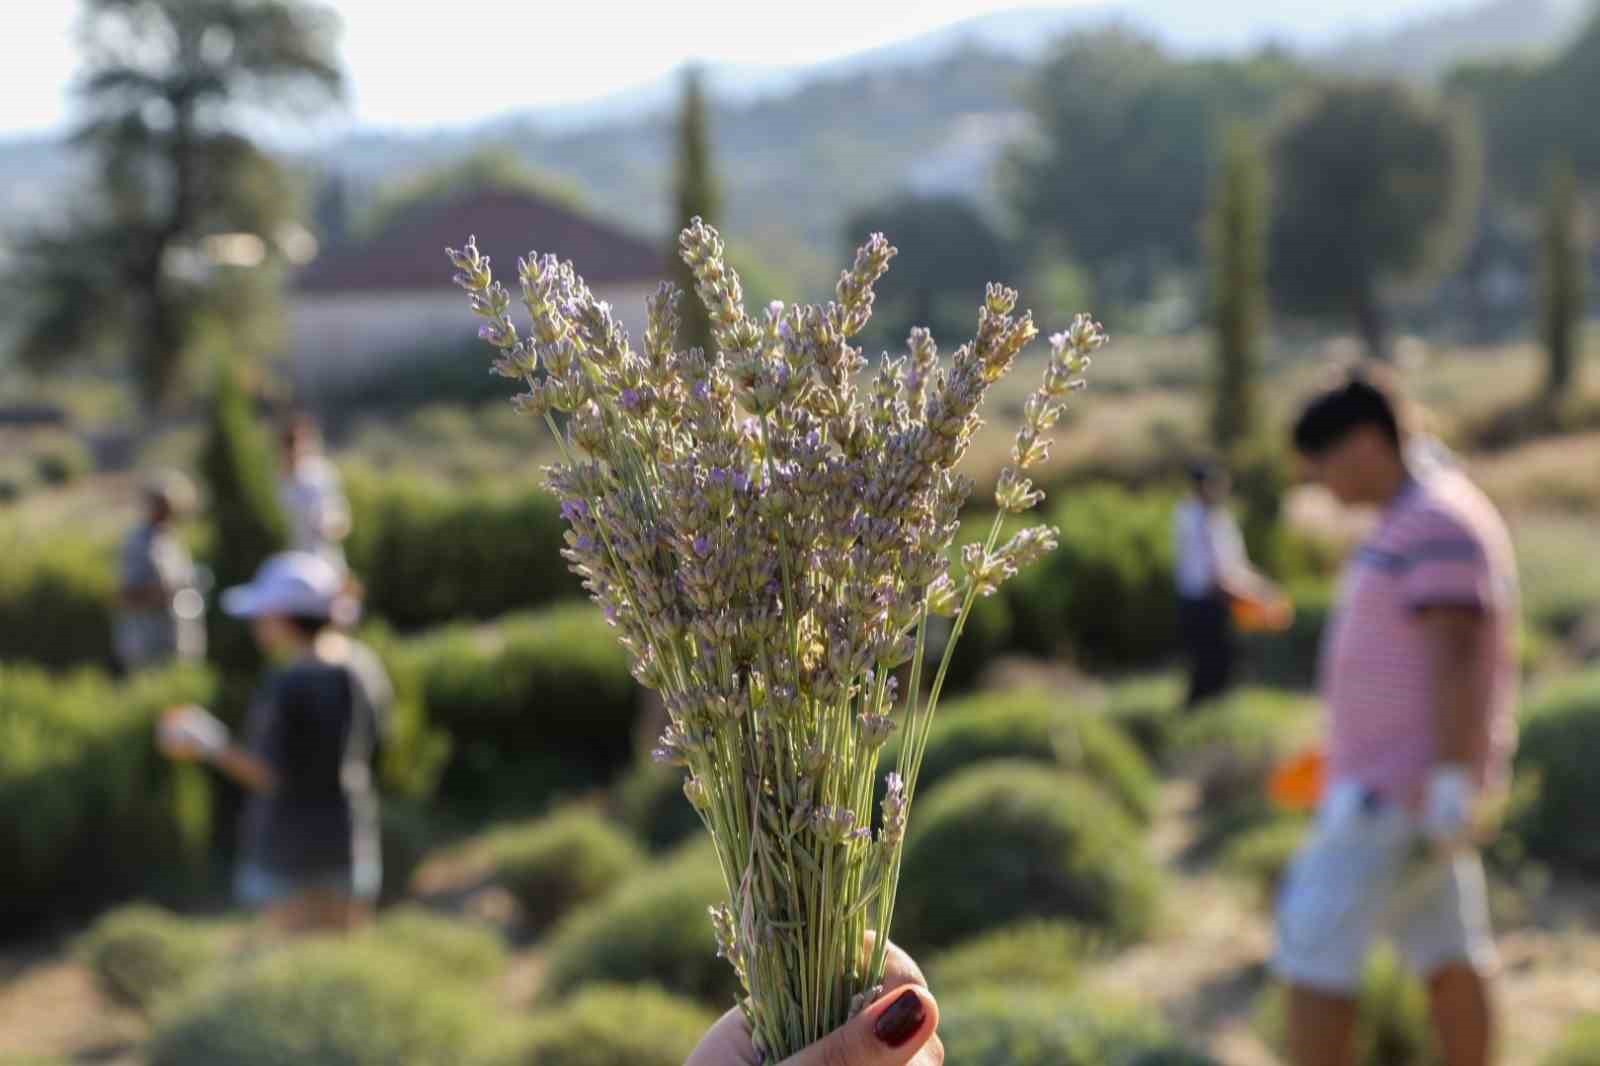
900, 1020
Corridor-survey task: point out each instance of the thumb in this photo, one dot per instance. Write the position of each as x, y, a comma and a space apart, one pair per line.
889, 1032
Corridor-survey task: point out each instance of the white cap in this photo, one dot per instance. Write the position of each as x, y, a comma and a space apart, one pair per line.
293, 583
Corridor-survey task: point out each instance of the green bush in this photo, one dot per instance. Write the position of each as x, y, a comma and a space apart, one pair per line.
452, 948
1233, 745
532, 705
350, 1003
649, 800
410, 831
1261, 855
89, 810
1106, 592
1560, 734
428, 554
140, 954
564, 859
57, 601
1036, 953
615, 1025
1038, 1027
1392, 1026
62, 461
653, 928
1149, 710
1579, 1047
1007, 840
1289, 659
1037, 726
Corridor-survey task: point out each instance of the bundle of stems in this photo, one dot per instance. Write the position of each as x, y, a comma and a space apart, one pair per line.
770, 531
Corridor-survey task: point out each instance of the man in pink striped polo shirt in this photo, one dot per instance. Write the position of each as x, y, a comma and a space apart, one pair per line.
1419, 682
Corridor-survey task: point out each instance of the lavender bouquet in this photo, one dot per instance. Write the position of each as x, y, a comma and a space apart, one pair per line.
770, 537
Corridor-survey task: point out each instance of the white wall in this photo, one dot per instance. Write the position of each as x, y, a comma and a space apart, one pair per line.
352, 336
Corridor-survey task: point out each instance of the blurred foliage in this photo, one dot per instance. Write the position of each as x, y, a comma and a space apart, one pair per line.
696, 194
165, 89
1128, 140
1374, 184
614, 1025
1580, 1046
141, 955
569, 857
88, 809
1030, 841
1560, 734
57, 598
489, 168
1027, 1026
1036, 953
1563, 277
649, 800
1238, 247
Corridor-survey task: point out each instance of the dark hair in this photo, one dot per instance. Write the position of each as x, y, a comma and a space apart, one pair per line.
307, 625
1202, 471
1333, 414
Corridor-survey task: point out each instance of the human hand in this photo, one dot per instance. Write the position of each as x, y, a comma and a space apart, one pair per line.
190, 732
1447, 811
896, 1029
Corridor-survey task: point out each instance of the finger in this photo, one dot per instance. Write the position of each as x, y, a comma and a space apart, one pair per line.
932, 1053
900, 969
890, 1032
726, 1044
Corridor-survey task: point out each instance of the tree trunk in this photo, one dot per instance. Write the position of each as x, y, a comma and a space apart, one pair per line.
1372, 325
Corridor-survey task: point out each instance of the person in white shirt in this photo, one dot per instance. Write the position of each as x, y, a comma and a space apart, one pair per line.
312, 497
1211, 569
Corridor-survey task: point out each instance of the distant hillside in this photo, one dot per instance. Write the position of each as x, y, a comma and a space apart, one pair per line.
1427, 49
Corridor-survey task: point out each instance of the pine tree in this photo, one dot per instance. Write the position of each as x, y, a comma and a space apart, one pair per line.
1238, 245
246, 521
696, 195
1562, 283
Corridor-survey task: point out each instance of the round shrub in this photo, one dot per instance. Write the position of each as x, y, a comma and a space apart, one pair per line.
615, 1025
450, 947
1392, 1026
1234, 744
1148, 710
1579, 1047
567, 858
653, 928
1036, 726
1559, 736
348, 1003
1034, 953
1009, 840
1027, 1027
649, 800
1106, 592
57, 599
140, 954
1261, 855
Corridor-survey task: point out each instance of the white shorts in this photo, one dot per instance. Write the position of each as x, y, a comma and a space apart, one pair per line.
1364, 875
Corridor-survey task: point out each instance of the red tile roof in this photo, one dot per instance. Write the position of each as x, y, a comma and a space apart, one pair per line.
409, 253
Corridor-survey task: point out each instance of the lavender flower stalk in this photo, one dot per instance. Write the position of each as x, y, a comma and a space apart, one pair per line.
770, 530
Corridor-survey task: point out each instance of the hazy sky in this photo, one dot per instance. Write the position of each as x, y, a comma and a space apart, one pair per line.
425, 62
428, 62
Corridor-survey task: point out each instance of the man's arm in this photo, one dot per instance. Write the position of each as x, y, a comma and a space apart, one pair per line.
1460, 703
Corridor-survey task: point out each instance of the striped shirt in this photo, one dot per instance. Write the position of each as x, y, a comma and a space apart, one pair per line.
1440, 543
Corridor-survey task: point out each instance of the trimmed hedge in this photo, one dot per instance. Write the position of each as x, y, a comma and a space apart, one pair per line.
57, 601
1149, 709
452, 948
141, 955
653, 928
89, 810
1008, 840
429, 554
616, 1025
1560, 734
534, 704
1035, 953
1106, 593
1037, 726
1234, 744
1019, 1026
350, 1003
568, 858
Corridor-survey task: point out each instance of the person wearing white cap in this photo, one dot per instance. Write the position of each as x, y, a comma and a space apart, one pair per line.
309, 847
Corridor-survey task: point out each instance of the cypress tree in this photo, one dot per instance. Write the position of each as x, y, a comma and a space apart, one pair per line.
1562, 281
696, 194
1238, 246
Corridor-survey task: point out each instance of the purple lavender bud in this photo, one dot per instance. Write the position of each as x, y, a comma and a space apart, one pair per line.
702, 546
575, 510
631, 399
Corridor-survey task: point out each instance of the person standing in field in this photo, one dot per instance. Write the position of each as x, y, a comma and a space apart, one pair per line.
311, 495
1212, 570
309, 850
160, 606
1419, 682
